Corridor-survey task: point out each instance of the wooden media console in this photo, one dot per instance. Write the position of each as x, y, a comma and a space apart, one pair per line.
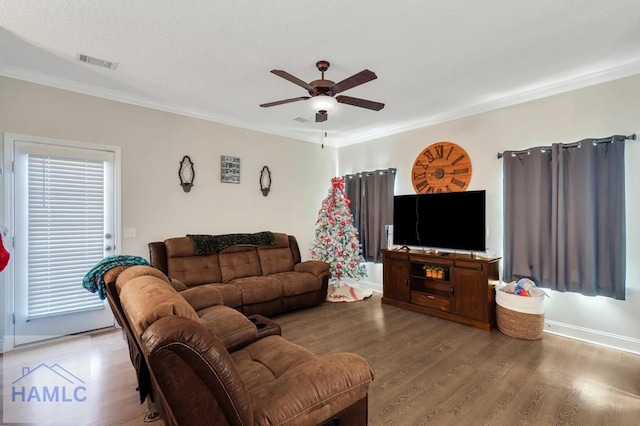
457, 287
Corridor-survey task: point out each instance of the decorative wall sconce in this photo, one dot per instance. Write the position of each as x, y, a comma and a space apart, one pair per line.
265, 181
186, 173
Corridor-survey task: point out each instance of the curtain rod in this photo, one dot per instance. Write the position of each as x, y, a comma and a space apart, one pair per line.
381, 171
597, 141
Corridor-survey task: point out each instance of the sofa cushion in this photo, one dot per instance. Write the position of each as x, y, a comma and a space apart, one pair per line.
239, 262
147, 298
267, 359
230, 326
258, 289
184, 265
137, 271
289, 385
112, 274
177, 285
202, 296
276, 258
231, 295
294, 283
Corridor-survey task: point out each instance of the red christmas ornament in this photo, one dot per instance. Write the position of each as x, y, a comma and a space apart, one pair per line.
4, 256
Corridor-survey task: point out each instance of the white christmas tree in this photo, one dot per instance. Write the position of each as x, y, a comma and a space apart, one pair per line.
337, 242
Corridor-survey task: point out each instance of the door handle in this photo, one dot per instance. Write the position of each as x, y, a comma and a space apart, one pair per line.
107, 248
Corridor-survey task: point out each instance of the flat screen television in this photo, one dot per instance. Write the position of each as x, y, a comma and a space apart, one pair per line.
445, 220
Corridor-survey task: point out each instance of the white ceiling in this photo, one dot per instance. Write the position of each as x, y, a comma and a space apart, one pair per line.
435, 60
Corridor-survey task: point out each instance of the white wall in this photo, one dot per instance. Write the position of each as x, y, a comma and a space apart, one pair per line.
598, 111
154, 142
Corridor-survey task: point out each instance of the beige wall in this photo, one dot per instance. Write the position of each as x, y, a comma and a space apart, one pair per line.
598, 111
154, 142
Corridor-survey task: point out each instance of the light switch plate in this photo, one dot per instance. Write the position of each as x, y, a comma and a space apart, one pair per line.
129, 232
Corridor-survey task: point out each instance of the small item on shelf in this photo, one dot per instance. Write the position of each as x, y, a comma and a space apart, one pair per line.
427, 270
434, 271
439, 273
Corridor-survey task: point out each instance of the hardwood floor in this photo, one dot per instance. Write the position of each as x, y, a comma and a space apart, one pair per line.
431, 371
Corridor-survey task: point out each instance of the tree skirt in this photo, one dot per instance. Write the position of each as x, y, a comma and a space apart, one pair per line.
344, 291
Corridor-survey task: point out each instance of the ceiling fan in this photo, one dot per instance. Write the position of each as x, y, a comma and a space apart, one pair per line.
324, 87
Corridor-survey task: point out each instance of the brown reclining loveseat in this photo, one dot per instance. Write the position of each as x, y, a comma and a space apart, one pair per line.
266, 380
265, 279
229, 325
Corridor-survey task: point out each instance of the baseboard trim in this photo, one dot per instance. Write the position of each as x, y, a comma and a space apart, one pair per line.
601, 338
596, 337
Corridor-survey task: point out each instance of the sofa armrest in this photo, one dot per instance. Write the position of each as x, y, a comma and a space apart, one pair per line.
216, 392
315, 267
202, 297
178, 285
233, 329
158, 256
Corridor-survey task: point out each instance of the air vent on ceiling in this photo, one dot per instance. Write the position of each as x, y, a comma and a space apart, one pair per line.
97, 62
300, 120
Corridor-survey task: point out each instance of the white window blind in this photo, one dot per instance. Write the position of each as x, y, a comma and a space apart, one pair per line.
66, 233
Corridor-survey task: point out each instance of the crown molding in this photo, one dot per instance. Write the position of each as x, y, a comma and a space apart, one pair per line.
547, 89
109, 94
543, 90
118, 96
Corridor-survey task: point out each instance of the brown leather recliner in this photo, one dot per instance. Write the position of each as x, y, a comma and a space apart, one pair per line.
230, 326
269, 381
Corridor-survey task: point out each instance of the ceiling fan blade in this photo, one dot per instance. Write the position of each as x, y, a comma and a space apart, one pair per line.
362, 103
353, 81
284, 101
294, 80
321, 116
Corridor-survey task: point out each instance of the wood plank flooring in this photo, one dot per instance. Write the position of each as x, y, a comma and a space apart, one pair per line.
431, 371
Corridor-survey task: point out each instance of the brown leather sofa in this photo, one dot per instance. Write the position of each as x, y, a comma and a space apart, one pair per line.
202, 373
265, 280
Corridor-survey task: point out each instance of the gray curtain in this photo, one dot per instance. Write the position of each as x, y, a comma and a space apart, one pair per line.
371, 196
527, 219
564, 212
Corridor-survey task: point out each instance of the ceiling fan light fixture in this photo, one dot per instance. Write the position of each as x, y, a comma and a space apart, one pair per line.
323, 102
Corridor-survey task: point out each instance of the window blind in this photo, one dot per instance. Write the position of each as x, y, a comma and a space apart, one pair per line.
66, 233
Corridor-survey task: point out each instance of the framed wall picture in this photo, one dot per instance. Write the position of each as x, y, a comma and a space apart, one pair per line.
229, 169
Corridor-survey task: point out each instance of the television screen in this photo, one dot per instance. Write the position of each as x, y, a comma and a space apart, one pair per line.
447, 220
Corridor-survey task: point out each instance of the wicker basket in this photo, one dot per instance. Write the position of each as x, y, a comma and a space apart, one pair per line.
519, 324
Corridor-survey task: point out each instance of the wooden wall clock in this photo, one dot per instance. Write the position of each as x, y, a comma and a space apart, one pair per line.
441, 167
